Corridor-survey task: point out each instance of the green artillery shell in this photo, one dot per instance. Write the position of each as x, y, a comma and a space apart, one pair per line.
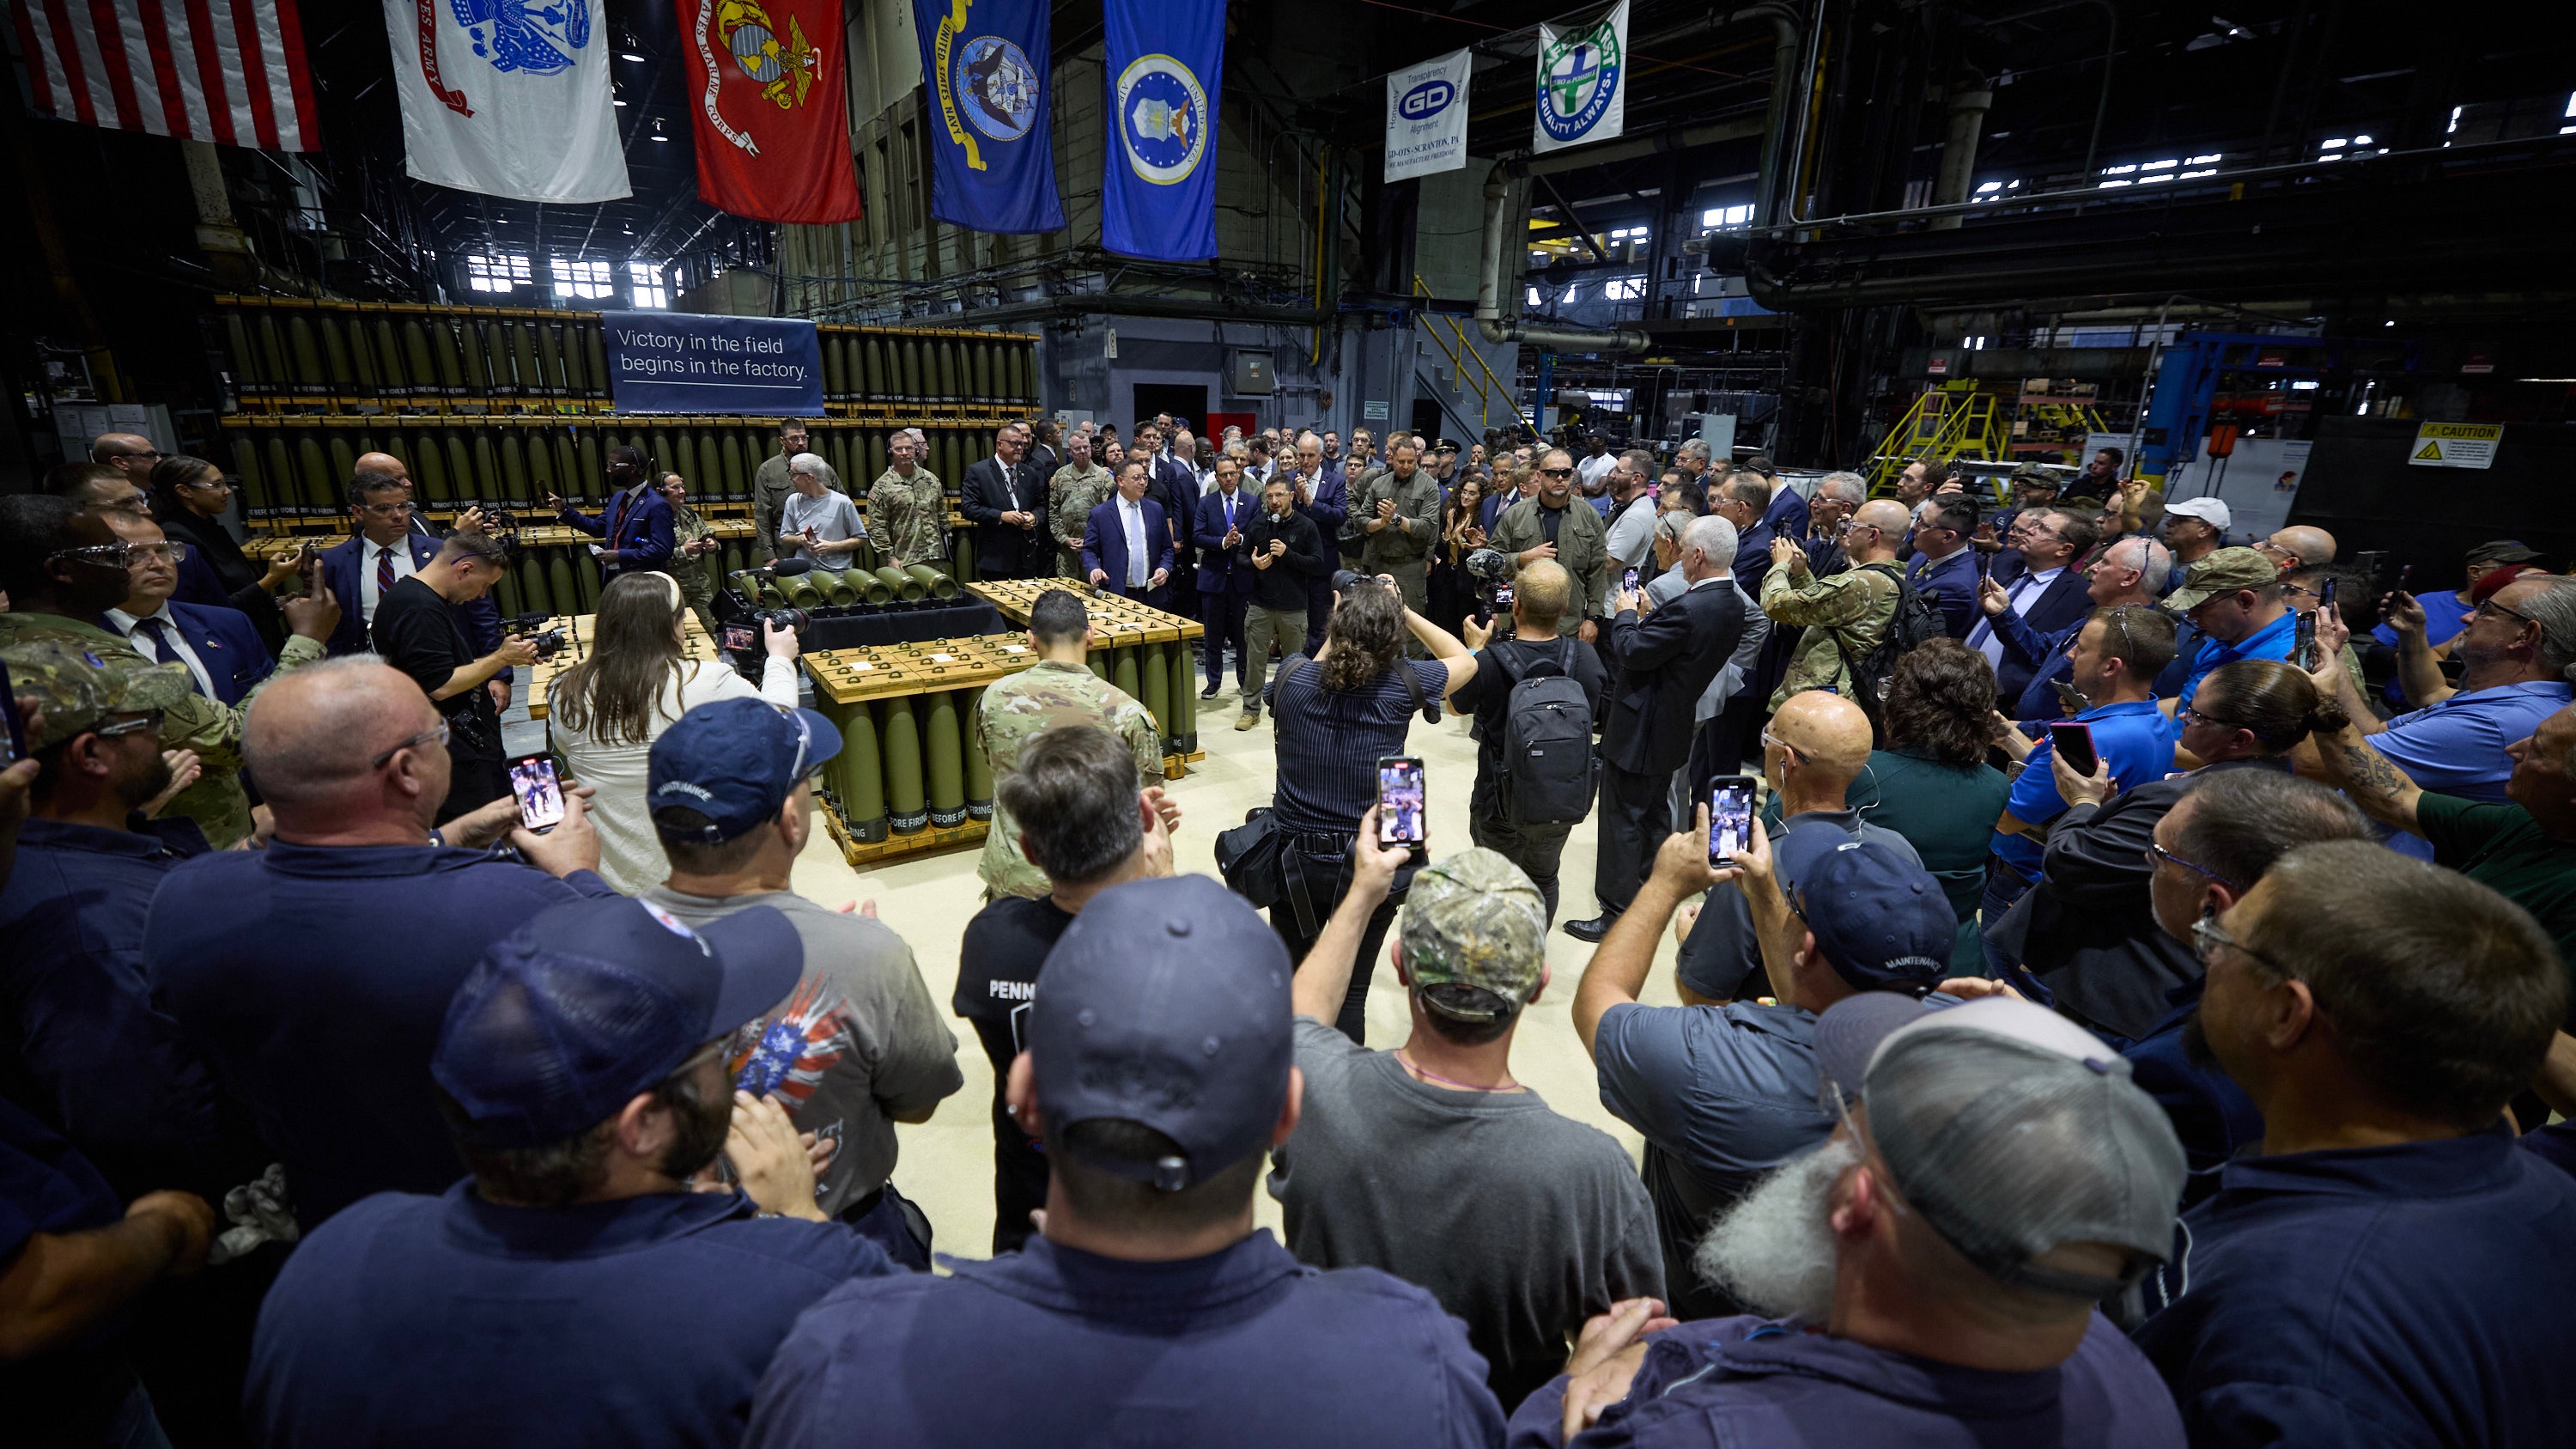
286, 490
933, 583
964, 541
469, 348
416, 360
900, 734
534, 596
585, 577
307, 354
335, 355
541, 466
257, 500
835, 372
448, 353
985, 393
1180, 732
247, 381
344, 458
1156, 672
873, 589
838, 589
514, 466
392, 378
904, 586
946, 792
1122, 672
871, 457
861, 775
873, 369
314, 470
531, 380
979, 768
915, 387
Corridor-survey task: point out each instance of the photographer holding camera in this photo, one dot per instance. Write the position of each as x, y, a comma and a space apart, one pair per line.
607, 710
417, 629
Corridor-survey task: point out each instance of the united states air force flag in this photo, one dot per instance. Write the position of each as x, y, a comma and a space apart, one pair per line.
992, 158
1426, 117
507, 97
1158, 193
1582, 81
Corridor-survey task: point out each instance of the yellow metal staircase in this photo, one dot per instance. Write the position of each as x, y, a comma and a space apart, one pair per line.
1491, 391
1953, 420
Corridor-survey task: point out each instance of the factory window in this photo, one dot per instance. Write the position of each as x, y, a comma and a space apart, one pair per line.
1624, 289
2570, 114
1571, 293
1719, 217
496, 273
582, 279
2208, 165
645, 285
1535, 299
1994, 190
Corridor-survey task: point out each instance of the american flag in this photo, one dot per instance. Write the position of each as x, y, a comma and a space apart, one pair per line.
207, 70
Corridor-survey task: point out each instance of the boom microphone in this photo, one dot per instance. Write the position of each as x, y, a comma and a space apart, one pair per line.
788, 567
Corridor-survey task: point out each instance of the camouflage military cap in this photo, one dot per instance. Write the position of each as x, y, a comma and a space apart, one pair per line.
1475, 919
2222, 571
79, 690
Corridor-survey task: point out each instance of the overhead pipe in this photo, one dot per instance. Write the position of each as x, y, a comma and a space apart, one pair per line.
1968, 109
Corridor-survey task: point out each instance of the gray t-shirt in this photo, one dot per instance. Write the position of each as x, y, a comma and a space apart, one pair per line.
833, 518
857, 1040
1521, 1222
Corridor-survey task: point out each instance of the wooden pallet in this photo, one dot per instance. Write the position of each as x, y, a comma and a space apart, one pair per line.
929, 840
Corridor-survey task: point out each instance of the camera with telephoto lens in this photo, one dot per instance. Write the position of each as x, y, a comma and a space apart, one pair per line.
785, 616
547, 644
498, 520
1492, 571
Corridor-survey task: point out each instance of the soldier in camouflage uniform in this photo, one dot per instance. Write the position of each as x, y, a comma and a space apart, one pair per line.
1059, 689
1395, 521
81, 691
694, 546
907, 511
1077, 488
76, 585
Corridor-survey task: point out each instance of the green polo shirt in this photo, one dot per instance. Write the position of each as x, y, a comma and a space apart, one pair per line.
2502, 847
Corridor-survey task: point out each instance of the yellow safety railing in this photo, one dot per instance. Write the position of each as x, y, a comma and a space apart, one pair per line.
1947, 422
1488, 387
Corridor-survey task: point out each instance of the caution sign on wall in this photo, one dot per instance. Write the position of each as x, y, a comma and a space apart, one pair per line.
2456, 445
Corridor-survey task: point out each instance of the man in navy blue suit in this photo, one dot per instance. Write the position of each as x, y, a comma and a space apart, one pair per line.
635, 527
1172, 480
383, 552
1945, 562
1323, 495
221, 650
2131, 572
1225, 571
1126, 545
2047, 595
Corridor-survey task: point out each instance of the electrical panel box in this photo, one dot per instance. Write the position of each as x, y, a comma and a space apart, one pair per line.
1248, 372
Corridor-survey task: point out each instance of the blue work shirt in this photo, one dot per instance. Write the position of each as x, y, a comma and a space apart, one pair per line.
81, 1044
2456, 747
2272, 641
2210, 1113
66, 1394
2413, 1294
314, 980
1245, 1347
1722, 1094
2135, 737
1775, 1382
446, 1321
2444, 616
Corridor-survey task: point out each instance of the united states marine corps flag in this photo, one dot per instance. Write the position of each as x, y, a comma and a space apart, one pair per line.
992, 160
764, 82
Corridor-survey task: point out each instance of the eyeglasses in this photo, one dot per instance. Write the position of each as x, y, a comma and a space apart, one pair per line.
2185, 714
420, 741
387, 510
2491, 607
220, 484
172, 553
2157, 853
147, 453
149, 720
112, 555
2208, 938
1769, 739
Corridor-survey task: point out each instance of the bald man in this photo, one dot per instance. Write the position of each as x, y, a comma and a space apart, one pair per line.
1818, 745
1846, 614
328, 958
128, 453
2298, 546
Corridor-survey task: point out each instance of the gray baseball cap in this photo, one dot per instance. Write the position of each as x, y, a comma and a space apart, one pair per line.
1166, 1004
2014, 1131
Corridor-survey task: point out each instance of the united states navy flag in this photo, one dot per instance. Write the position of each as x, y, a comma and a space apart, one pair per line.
1158, 196
992, 160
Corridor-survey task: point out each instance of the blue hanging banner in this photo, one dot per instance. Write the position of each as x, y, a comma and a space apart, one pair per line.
992, 154
1158, 194
683, 362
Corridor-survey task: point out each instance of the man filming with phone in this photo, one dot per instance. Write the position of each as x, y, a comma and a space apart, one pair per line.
417, 630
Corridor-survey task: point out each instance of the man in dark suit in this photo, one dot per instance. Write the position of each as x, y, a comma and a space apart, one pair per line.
386, 465
382, 552
1225, 572
1944, 562
1743, 500
2131, 572
1006, 502
1126, 545
1172, 480
635, 529
2047, 593
219, 647
1665, 662
1323, 496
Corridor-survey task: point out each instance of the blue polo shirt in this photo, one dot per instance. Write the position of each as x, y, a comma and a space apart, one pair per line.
2135, 737
81, 1044
2444, 616
1729, 1382
449, 1320
2415, 1294
2456, 747
2272, 641
314, 981
1245, 1347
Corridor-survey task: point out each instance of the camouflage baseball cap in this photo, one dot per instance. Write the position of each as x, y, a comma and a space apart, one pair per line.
2222, 571
1475, 920
78, 690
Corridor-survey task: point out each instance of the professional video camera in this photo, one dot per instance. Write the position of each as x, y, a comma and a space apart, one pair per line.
547, 644
498, 521
1492, 571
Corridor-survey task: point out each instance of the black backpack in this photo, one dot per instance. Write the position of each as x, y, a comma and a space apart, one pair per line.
1917, 621
1549, 767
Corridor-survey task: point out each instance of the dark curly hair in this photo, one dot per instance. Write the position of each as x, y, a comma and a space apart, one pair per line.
1941, 703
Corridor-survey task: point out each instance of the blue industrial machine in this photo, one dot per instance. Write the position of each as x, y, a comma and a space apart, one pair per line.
2212, 379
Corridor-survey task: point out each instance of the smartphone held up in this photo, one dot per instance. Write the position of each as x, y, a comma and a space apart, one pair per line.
1402, 804
1730, 819
539, 791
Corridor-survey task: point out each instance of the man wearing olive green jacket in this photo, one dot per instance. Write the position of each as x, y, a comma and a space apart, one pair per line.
1553, 523
62, 569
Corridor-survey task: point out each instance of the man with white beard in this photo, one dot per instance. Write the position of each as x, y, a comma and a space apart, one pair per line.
1934, 1268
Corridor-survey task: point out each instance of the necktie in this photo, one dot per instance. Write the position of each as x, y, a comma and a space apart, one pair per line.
165, 649
384, 571
1135, 546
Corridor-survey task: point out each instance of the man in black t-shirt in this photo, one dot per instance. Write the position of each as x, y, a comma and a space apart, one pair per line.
1084, 821
419, 629
1544, 591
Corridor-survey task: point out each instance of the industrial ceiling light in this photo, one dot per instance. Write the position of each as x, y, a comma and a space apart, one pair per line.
657, 130
630, 55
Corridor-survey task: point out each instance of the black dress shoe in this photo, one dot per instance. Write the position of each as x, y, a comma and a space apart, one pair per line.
1212, 691
1591, 931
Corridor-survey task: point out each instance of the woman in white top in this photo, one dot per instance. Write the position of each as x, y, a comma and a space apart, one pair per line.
607, 710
